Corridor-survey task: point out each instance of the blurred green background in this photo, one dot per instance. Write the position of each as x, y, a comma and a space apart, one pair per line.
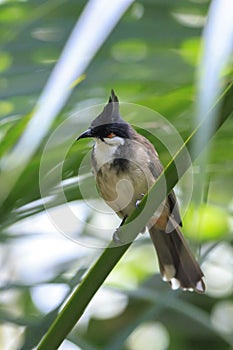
150, 59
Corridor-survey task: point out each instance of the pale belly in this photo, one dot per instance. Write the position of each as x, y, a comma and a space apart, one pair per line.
120, 191
123, 188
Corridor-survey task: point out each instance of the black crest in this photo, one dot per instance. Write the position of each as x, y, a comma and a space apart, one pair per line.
110, 121
110, 113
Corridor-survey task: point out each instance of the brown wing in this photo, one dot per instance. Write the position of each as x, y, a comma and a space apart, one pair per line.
156, 169
174, 209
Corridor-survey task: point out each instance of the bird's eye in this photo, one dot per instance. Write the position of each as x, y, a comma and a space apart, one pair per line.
111, 135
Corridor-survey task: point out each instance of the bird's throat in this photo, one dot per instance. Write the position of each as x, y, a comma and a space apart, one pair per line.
105, 151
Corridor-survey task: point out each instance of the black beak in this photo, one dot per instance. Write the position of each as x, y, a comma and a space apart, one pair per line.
87, 133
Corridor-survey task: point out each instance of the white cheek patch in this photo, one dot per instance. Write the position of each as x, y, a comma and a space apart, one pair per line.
114, 141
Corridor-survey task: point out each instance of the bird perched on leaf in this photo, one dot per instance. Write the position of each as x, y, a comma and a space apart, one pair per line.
126, 165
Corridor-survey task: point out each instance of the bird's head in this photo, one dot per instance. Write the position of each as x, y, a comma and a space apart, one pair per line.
108, 126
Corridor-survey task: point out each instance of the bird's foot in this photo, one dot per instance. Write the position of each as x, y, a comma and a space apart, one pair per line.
137, 204
116, 237
139, 201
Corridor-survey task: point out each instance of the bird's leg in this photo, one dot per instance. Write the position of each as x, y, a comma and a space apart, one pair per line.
115, 236
139, 201
137, 204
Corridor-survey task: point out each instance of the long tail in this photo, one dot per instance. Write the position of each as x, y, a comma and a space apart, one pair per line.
177, 263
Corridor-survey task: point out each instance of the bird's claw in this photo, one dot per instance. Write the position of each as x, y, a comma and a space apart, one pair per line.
116, 237
137, 204
139, 201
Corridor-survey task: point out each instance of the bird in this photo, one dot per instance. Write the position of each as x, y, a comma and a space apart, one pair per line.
126, 165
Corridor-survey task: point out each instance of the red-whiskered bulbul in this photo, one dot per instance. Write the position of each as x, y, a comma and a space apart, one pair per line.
126, 165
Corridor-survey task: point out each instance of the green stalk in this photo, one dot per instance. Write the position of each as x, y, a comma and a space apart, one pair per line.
82, 295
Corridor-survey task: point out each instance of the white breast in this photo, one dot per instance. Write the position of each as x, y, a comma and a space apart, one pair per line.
104, 151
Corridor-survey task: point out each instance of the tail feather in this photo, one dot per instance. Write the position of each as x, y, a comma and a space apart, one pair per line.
177, 263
